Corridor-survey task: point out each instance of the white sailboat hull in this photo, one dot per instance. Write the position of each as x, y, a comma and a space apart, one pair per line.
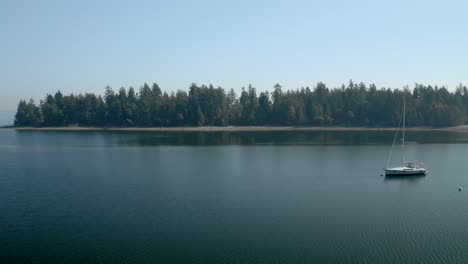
404, 171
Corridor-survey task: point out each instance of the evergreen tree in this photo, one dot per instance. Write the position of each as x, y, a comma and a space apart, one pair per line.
350, 105
264, 109
28, 114
52, 114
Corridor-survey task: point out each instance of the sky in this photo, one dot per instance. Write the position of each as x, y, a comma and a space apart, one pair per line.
83, 46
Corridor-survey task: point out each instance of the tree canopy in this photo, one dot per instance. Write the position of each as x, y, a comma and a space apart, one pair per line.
349, 105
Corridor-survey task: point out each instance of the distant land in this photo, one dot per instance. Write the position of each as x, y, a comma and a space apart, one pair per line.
351, 105
6, 118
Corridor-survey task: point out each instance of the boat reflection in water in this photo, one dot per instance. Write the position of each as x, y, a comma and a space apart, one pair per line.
410, 178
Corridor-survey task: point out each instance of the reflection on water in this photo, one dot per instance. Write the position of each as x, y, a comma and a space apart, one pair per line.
284, 138
229, 197
288, 138
409, 178
151, 138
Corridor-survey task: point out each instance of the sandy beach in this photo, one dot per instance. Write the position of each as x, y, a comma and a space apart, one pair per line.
236, 128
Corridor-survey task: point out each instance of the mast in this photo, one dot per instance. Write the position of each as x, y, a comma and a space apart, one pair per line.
403, 132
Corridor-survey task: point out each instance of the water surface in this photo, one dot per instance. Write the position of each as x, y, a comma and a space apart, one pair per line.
229, 197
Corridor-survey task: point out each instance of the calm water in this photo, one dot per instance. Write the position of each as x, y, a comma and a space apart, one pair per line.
277, 197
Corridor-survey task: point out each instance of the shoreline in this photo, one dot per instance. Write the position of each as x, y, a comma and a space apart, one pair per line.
236, 128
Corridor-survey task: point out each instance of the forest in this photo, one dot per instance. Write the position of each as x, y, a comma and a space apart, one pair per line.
349, 105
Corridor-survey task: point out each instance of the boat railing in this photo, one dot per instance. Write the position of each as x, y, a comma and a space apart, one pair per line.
414, 164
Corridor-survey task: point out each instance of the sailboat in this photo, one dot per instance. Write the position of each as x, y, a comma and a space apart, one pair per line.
407, 168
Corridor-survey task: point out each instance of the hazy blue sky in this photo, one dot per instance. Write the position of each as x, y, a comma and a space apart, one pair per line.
82, 46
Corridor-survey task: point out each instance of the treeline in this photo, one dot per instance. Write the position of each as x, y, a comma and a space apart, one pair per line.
349, 105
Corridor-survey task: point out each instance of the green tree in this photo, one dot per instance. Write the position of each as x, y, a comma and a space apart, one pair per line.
264, 109
352, 104
28, 114
53, 115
